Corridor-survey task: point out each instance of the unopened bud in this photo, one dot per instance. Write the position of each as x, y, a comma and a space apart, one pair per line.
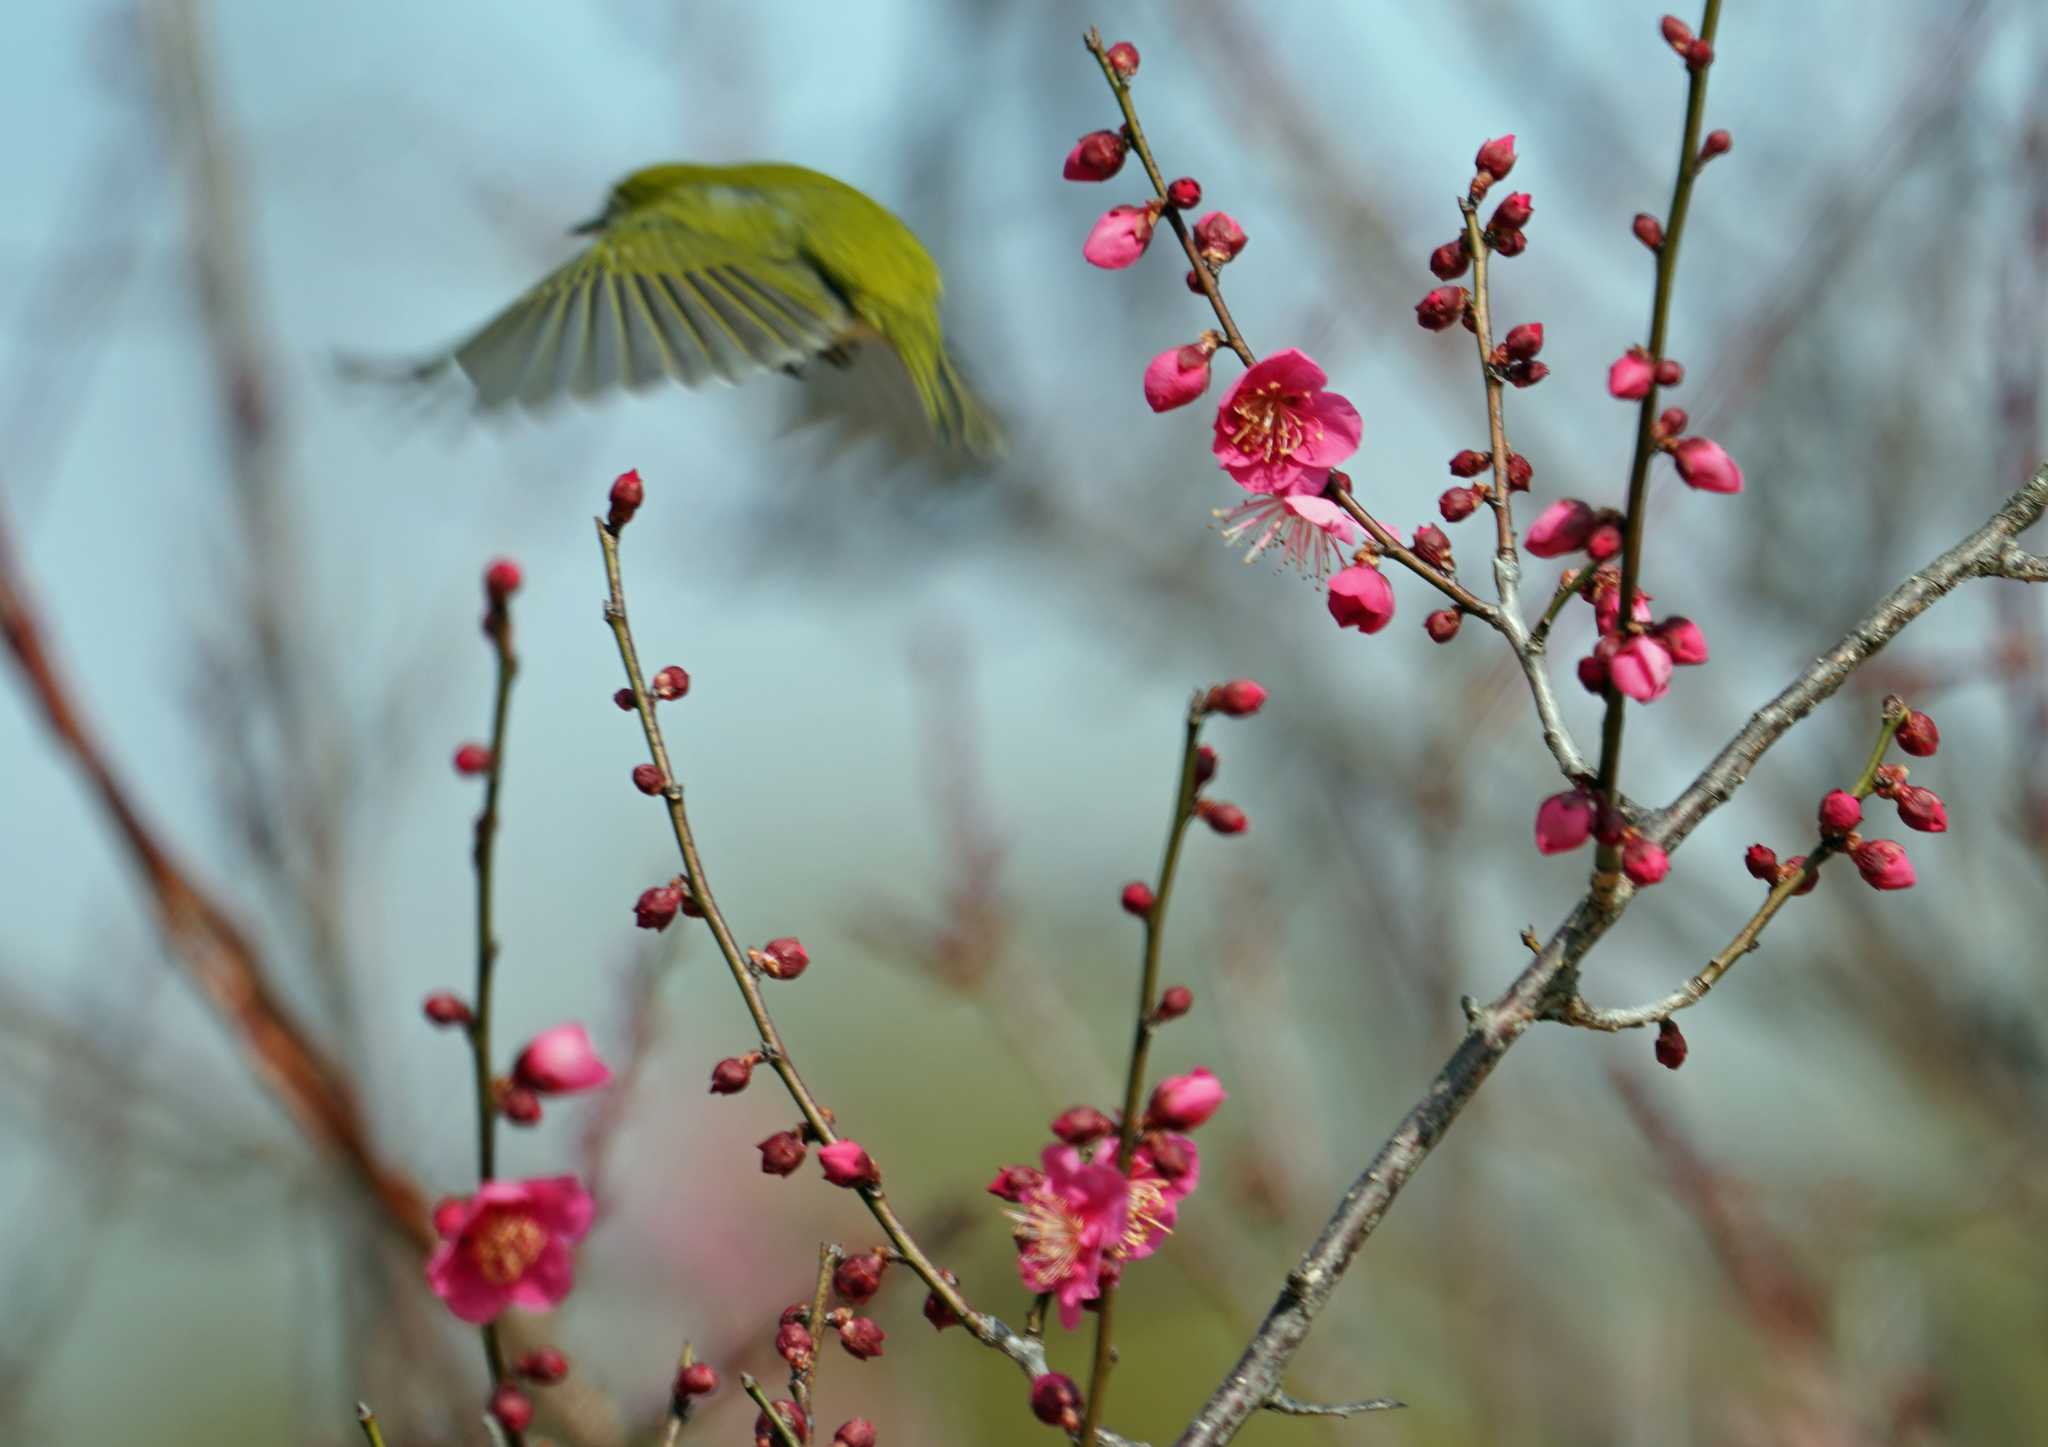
512, 1408
1792, 867
793, 1344
1442, 626
1457, 504
1918, 736
1081, 1125
472, 759
624, 700
1524, 341
1715, 144
544, 1365
1138, 898
1448, 262
781, 1153
627, 495
1669, 373
1184, 194
1671, 1046
1056, 1401
647, 778
859, 1432
1433, 547
1174, 1002
1508, 240
698, 1379
670, 683
445, 1008
1441, 308
1883, 864
1205, 765
1648, 229
1223, 818
1123, 59
862, 1338
1497, 157
1239, 698
858, 1278
1514, 213
656, 908
730, 1075
1922, 809
1840, 811
1698, 56
1520, 472
501, 579
1677, 34
518, 1104
1762, 862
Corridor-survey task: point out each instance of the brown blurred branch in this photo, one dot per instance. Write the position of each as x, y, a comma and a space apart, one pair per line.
217, 955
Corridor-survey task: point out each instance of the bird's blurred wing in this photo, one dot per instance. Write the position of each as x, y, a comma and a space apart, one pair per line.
656, 297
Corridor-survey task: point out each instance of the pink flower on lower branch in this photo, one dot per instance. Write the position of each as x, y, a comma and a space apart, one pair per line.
1278, 431
561, 1060
508, 1245
1310, 532
1066, 1226
1641, 669
1362, 598
1156, 1192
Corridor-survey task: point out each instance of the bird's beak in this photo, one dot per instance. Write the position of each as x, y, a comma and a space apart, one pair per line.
595, 223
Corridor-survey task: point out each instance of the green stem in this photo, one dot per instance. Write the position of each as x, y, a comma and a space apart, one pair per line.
367, 1419
1141, 1045
1646, 418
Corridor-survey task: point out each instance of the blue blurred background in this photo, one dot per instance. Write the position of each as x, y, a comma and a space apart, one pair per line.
933, 718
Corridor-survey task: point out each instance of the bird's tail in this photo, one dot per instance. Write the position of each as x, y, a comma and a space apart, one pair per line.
959, 417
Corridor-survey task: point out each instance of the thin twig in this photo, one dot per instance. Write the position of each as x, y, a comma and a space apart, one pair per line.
1185, 788
784, 1433
1608, 859
829, 1256
1496, 424
483, 854
1288, 1406
367, 1420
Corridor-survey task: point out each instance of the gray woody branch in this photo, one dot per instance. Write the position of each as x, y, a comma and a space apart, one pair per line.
1550, 978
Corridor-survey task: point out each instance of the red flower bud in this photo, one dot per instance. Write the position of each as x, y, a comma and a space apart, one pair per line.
783, 959
647, 778
781, 1153
501, 579
1671, 1046
1138, 898
1239, 698
1448, 262
1218, 238
626, 497
1096, 157
1524, 341
1793, 866
791, 1414
1669, 373
1698, 56
472, 759
1432, 546
670, 683
1883, 864
1918, 736
1648, 229
937, 1312
624, 700
657, 907
1520, 472
1442, 626
1922, 809
445, 1007
1123, 59
1056, 1401
1174, 1002
858, 1278
1082, 1125
1457, 504
1592, 672
698, 1379
1014, 1183
1603, 542
1527, 374
1223, 818
1441, 308
518, 1104
1671, 421
1643, 862
544, 1365
859, 1432
1840, 811
730, 1075
1469, 464
1508, 240
1184, 194
862, 1338
1715, 144
1205, 765
846, 1164
793, 1344
1512, 214
512, 1407
1497, 157
1677, 34
1762, 862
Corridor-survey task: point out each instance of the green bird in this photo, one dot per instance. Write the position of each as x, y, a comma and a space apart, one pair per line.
723, 271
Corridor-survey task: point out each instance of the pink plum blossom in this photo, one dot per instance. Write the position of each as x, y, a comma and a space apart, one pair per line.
1641, 669
1121, 235
1278, 431
1067, 1225
1155, 1196
1607, 605
1630, 377
509, 1246
1883, 864
1683, 640
1182, 1102
1311, 532
1703, 465
1564, 822
561, 1060
1561, 528
1362, 598
1177, 376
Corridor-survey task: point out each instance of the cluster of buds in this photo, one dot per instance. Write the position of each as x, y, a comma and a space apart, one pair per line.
1882, 863
1567, 820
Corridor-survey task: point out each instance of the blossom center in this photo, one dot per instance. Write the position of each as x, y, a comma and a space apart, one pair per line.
1270, 423
1050, 1237
1148, 1200
505, 1244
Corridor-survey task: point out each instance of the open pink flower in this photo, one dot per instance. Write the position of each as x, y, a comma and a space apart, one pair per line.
1310, 532
1564, 822
561, 1060
1362, 598
1703, 465
1066, 1226
509, 1246
1641, 669
1278, 431
1177, 376
1155, 1196
1561, 528
1120, 236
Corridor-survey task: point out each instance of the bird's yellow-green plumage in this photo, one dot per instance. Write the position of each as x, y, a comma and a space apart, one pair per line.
701, 272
